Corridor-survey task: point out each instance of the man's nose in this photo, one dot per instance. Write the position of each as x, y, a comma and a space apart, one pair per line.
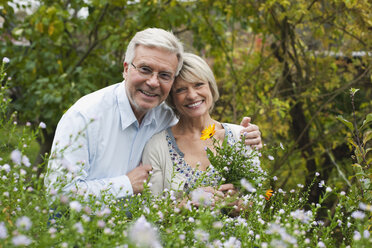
153, 81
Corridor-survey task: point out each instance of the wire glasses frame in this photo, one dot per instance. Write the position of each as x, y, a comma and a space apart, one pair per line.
147, 73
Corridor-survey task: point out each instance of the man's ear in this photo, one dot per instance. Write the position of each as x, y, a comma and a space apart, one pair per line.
126, 68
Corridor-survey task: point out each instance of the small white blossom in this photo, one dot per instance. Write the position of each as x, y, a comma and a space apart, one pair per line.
201, 235
42, 125
281, 145
357, 236
358, 215
6, 60
79, 227
76, 206
328, 189
247, 185
366, 234
3, 231
143, 234
232, 243
201, 197
21, 240
321, 244
26, 161
321, 184
270, 157
16, 156
24, 223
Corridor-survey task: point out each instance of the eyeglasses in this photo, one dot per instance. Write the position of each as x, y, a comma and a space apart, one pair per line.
147, 73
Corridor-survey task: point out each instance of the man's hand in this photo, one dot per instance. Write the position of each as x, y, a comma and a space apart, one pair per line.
138, 176
251, 132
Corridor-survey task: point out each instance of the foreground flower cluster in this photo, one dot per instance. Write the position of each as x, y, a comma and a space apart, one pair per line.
264, 218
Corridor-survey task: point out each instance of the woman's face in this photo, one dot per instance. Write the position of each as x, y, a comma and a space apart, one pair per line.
192, 99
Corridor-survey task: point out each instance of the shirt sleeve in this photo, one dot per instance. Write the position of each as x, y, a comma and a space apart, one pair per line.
153, 155
70, 160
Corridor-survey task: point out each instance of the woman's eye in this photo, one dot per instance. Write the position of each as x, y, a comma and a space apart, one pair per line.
180, 90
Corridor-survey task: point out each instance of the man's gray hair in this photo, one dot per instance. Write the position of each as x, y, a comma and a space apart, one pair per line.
155, 37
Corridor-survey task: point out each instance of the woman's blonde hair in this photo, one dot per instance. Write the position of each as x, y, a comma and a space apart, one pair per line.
195, 69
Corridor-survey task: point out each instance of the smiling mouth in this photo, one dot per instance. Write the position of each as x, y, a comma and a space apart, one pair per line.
195, 104
147, 93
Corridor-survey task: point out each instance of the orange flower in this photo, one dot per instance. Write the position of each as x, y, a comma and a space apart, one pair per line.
268, 194
208, 132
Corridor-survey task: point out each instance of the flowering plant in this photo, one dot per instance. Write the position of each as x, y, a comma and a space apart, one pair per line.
234, 161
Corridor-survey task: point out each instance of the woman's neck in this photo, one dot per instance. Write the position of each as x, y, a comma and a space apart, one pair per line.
193, 125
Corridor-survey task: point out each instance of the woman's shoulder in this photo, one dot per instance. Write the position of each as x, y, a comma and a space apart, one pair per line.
235, 129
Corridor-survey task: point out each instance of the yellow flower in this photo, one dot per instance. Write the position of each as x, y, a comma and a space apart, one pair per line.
208, 132
268, 194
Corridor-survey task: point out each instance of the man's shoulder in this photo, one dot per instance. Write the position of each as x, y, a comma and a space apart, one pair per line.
97, 100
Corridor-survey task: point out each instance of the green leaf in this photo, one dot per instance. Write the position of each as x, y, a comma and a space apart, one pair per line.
366, 121
357, 165
368, 150
353, 91
346, 122
367, 136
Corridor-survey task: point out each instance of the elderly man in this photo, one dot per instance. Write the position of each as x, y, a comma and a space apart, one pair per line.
99, 141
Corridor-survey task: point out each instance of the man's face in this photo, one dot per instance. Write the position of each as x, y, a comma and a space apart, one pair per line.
147, 93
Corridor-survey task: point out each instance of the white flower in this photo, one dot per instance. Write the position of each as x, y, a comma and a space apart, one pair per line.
3, 231
366, 234
321, 244
79, 227
232, 243
6, 60
143, 234
358, 215
21, 240
275, 178
317, 174
328, 189
321, 184
26, 161
302, 216
201, 197
24, 223
101, 224
42, 125
6, 167
362, 206
270, 157
247, 185
357, 236
281, 146
16, 156
76, 206
201, 235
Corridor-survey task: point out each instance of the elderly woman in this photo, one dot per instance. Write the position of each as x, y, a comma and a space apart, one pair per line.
177, 155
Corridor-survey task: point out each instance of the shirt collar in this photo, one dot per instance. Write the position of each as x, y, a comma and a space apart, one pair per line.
127, 116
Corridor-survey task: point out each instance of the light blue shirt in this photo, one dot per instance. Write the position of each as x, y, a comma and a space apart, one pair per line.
99, 140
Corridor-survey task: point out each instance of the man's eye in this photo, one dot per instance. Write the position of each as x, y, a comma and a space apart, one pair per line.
165, 76
145, 70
